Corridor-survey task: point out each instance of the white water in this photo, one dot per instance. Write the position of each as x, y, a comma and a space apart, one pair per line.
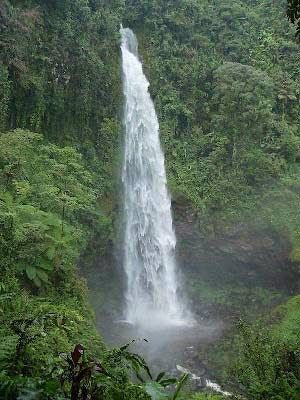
149, 239
207, 382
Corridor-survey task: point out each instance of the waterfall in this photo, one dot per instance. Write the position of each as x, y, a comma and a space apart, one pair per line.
149, 238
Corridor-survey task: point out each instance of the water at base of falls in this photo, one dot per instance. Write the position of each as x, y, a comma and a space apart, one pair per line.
149, 239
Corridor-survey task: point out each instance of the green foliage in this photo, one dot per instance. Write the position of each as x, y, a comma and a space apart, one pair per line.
35, 331
70, 89
74, 375
4, 96
293, 12
204, 396
239, 299
59, 75
156, 390
225, 83
266, 367
109, 380
244, 101
48, 176
225, 80
57, 89
260, 359
46, 197
47, 209
287, 328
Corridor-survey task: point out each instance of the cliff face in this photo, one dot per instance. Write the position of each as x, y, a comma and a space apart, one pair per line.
239, 254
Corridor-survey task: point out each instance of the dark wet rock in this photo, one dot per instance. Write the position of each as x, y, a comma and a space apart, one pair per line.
202, 371
200, 384
238, 252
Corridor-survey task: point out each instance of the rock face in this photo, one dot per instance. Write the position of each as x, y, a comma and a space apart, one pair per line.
239, 254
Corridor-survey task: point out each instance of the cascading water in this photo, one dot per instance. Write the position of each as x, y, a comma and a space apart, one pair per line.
149, 239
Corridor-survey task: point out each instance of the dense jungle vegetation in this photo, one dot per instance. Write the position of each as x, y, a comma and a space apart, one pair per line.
225, 81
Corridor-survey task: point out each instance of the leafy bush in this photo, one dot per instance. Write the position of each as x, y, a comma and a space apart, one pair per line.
266, 367
74, 376
46, 197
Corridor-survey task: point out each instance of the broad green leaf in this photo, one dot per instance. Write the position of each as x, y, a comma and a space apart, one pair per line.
42, 275
50, 253
179, 386
31, 272
160, 376
168, 382
156, 391
46, 265
37, 281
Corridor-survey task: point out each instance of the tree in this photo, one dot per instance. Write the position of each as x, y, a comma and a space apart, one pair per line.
293, 13
266, 368
244, 98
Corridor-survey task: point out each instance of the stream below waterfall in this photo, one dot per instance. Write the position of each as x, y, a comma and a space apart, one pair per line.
172, 348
